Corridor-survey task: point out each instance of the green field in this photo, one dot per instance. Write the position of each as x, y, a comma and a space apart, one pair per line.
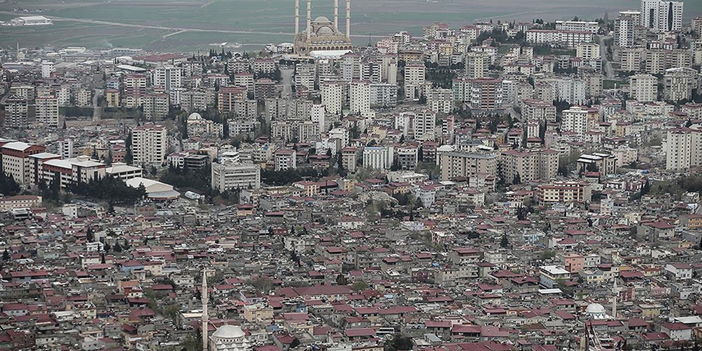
257, 22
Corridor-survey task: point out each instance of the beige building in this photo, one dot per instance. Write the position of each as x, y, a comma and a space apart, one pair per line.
643, 87
683, 149
679, 83
454, 164
47, 111
563, 192
349, 156
149, 144
530, 165
476, 64
235, 175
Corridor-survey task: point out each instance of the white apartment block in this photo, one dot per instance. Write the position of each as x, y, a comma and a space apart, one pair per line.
578, 26
678, 83
559, 37
571, 90
643, 87
378, 157
476, 64
47, 111
285, 159
16, 112
423, 125
662, 16
65, 148
588, 51
317, 115
575, 120
624, 30
383, 95
149, 144
683, 149
234, 175
333, 97
47, 67
167, 77
359, 97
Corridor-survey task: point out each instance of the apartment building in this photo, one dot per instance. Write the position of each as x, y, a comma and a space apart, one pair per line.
149, 144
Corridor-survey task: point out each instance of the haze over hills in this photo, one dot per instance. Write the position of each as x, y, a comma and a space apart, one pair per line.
190, 25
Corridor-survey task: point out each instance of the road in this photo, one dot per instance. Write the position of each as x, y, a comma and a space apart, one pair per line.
174, 29
606, 65
286, 75
97, 110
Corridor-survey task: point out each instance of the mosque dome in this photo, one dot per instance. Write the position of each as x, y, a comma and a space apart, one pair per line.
194, 117
595, 309
321, 19
325, 31
228, 331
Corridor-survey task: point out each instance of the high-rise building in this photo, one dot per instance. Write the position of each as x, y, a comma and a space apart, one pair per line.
625, 28
575, 120
167, 77
134, 90
383, 95
155, 106
333, 97
414, 79
423, 125
454, 164
476, 64
683, 149
661, 15
485, 93
643, 87
16, 112
47, 111
528, 165
678, 83
149, 144
65, 148
359, 97
349, 157
378, 157
47, 67
235, 175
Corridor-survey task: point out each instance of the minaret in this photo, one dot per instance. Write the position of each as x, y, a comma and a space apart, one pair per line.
309, 20
336, 14
348, 19
297, 16
205, 317
614, 299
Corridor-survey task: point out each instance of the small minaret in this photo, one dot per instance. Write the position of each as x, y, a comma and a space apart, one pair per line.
336, 14
205, 317
297, 16
614, 299
309, 20
348, 19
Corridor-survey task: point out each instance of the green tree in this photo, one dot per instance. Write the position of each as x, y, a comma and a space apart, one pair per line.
504, 243
359, 285
341, 280
399, 342
5, 255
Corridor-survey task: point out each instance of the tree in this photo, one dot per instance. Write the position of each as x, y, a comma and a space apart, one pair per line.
341, 280
359, 285
89, 235
504, 243
517, 179
106, 247
295, 343
117, 248
6, 255
399, 342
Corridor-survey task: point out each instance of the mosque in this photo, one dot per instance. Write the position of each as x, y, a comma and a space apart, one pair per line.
322, 34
